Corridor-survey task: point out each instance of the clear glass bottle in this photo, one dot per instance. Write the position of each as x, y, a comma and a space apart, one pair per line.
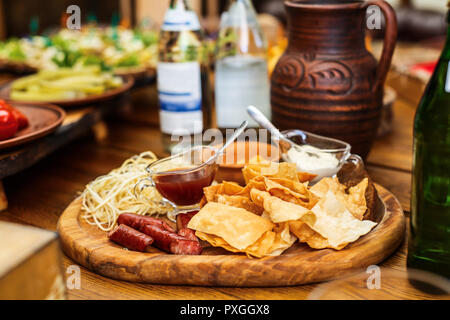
182, 77
241, 66
429, 237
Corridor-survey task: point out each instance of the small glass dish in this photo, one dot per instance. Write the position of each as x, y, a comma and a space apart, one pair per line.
180, 179
329, 149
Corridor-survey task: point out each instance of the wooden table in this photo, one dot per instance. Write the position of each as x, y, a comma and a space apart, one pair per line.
39, 195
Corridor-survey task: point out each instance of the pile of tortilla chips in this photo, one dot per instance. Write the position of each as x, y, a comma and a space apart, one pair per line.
278, 206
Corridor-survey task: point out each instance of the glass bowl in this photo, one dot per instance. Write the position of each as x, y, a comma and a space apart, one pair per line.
180, 179
329, 149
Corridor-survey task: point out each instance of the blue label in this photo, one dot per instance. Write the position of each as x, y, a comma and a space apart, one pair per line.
185, 106
180, 97
180, 20
177, 24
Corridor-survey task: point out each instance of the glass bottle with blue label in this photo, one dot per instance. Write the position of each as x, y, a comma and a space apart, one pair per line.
182, 77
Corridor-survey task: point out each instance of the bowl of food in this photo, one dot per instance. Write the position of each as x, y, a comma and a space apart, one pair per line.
180, 179
67, 87
316, 154
241, 153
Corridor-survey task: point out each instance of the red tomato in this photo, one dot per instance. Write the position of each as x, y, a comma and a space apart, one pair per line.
8, 124
22, 120
5, 105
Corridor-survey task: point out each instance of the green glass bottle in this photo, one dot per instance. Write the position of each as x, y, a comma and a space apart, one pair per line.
429, 237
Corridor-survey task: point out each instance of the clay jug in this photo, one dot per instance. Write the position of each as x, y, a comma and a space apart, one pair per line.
327, 82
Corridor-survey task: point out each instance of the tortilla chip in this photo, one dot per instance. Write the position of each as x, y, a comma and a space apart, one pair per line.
262, 246
232, 194
211, 192
203, 201
238, 227
291, 191
321, 188
240, 202
258, 196
283, 241
215, 241
271, 243
230, 188
255, 183
278, 210
356, 200
265, 217
305, 176
332, 220
251, 171
282, 170
225, 188
296, 188
305, 234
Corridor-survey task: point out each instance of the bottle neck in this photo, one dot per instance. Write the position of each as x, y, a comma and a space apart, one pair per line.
180, 4
446, 52
234, 1
246, 3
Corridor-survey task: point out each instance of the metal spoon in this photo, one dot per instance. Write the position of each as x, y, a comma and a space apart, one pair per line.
285, 143
235, 135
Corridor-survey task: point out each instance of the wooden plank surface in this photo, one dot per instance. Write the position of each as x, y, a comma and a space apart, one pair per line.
395, 149
39, 195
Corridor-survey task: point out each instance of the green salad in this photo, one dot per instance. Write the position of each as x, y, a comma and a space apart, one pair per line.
108, 48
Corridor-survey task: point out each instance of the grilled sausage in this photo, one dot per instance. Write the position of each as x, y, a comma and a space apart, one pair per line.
138, 222
188, 234
186, 247
184, 218
171, 242
130, 238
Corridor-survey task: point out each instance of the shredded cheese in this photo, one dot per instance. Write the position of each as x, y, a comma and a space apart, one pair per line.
105, 198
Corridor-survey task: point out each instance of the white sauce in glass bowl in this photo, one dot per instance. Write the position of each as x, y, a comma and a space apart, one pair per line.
312, 160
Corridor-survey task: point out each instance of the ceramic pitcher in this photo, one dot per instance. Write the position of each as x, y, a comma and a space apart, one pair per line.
327, 82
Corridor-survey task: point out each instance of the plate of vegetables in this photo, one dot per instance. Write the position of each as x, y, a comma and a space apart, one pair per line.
117, 49
67, 87
22, 123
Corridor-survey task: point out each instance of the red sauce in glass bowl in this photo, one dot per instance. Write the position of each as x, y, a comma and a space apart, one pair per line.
184, 186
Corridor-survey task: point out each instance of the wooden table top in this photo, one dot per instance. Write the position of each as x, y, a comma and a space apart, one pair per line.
39, 195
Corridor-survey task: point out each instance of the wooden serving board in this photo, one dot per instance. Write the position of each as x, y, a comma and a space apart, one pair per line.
298, 265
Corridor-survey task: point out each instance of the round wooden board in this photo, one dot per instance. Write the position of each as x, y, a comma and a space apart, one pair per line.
300, 264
